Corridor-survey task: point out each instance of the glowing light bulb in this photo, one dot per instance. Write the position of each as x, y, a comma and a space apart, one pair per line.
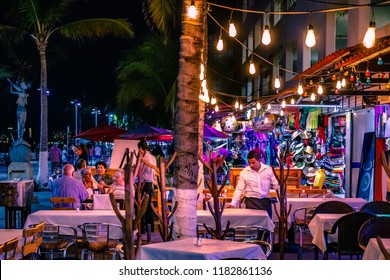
300, 89
281, 113
292, 101
258, 106
369, 37
213, 101
312, 96
252, 69
320, 90
269, 107
266, 38
338, 85
216, 109
220, 44
284, 104
232, 30
277, 82
310, 37
343, 82
236, 105
233, 118
240, 106
192, 11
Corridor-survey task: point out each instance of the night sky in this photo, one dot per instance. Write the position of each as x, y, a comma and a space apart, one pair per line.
84, 71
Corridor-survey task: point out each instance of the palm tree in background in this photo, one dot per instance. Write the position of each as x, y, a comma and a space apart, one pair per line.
149, 74
39, 20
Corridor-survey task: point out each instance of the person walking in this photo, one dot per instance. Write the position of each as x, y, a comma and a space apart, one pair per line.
55, 156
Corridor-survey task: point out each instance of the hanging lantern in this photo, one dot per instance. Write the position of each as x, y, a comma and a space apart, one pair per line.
380, 61
368, 73
334, 77
352, 78
368, 80
311, 82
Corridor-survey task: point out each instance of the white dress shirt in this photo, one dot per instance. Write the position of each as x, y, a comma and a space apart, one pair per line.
255, 184
146, 173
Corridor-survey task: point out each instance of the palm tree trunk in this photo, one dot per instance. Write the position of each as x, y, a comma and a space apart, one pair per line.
187, 121
43, 173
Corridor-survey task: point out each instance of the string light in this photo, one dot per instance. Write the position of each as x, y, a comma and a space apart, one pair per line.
284, 104
213, 100
292, 101
192, 11
252, 68
232, 27
277, 83
312, 96
320, 90
369, 37
216, 109
240, 106
236, 105
300, 89
266, 38
310, 37
281, 113
338, 84
258, 105
343, 82
269, 107
220, 42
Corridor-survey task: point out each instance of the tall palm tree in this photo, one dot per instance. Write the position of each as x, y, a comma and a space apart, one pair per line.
149, 73
187, 111
39, 20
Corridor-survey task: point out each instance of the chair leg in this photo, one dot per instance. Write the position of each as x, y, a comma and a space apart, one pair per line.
316, 253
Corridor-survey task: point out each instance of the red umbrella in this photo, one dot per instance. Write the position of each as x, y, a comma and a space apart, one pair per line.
147, 131
105, 133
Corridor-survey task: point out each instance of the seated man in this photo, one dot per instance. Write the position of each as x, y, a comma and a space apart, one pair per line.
118, 187
68, 186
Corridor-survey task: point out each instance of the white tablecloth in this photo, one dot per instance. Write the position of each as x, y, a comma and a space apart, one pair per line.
297, 202
237, 217
211, 249
373, 252
8, 234
319, 224
73, 218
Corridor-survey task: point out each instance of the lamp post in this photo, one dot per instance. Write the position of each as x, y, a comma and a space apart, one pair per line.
76, 104
96, 112
109, 116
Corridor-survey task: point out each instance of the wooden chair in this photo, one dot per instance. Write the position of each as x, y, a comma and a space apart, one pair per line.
32, 241
9, 247
384, 251
55, 201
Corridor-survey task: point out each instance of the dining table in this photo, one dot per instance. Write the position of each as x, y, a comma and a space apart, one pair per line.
373, 252
298, 202
237, 217
8, 234
321, 223
73, 218
210, 249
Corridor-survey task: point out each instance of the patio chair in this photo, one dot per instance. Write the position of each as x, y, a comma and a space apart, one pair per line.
8, 251
57, 203
100, 238
347, 229
32, 241
373, 227
384, 251
301, 219
376, 207
265, 246
57, 239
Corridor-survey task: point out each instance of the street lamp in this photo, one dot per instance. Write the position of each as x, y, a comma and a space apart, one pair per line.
76, 104
96, 112
109, 116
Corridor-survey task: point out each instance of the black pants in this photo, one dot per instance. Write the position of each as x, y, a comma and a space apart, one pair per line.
148, 218
259, 203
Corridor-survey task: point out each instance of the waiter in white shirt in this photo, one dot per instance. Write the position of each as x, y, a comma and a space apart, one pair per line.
146, 176
255, 182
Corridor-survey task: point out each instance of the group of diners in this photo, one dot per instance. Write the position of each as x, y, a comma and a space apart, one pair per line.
81, 184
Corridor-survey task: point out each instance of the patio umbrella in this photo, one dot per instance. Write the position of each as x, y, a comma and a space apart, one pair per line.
211, 133
105, 133
147, 131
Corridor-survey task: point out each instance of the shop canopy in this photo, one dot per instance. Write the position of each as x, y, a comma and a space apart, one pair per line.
104, 133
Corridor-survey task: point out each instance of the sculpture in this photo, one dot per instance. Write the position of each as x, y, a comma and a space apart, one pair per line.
21, 113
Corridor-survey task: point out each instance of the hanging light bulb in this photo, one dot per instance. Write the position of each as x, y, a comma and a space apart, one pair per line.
338, 85
258, 106
281, 113
213, 100
292, 101
320, 90
343, 82
216, 109
312, 96
240, 106
236, 105
269, 106
232, 30
284, 104
266, 38
220, 44
233, 118
252, 69
310, 37
369, 37
277, 83
192, 11
300, 89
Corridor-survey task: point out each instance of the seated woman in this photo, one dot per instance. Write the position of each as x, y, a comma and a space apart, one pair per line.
90, 185
118, 187
102, 177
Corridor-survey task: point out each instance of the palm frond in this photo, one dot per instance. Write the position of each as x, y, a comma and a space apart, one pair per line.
5, 72
96, 28
160, 14
11, 33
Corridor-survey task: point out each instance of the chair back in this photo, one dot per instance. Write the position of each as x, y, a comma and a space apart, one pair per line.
303, 215
32, 240
252, 232
347, 228
63, 203
9, 249
57, 239
99, 237
333, 207
376, 207
265, 246
373, 227
382, 247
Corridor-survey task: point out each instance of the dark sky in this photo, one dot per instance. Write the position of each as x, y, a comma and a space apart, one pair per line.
84, 71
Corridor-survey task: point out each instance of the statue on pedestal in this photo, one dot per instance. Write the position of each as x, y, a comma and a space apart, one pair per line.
20, 89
